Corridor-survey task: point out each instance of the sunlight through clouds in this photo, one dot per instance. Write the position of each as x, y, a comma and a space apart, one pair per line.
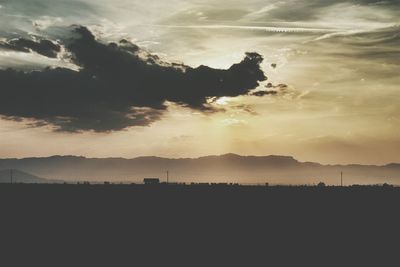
332, 69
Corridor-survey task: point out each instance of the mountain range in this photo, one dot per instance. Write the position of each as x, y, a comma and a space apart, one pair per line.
224, 168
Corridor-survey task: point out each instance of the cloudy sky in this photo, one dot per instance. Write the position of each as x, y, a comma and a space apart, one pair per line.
318, 80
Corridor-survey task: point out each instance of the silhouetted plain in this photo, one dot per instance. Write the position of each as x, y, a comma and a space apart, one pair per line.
198, 225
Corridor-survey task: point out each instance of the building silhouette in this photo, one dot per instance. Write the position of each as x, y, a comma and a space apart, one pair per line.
151, 180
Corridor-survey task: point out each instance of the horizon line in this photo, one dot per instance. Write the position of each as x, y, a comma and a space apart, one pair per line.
199, 157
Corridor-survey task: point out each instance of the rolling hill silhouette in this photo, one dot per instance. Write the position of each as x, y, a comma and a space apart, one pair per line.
22, 177
223, 168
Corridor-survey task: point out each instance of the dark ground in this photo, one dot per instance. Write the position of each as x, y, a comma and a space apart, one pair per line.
171, 225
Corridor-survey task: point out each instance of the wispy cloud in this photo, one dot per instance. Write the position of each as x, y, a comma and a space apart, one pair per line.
276, 29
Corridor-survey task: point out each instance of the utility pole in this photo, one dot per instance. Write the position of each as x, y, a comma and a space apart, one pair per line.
11, 176
341, 179
167, 177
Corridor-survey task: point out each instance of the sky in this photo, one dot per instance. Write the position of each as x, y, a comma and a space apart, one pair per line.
316, 80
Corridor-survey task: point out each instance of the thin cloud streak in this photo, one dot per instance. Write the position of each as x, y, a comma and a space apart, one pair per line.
257, 28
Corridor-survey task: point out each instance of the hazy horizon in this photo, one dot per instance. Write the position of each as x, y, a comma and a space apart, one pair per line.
196, 157
230, 168
315, 80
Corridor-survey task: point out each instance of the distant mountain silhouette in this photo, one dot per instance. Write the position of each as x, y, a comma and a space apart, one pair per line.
223, 168
21, 177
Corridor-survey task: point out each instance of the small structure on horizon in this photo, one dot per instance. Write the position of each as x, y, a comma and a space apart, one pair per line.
151, 180
341, 179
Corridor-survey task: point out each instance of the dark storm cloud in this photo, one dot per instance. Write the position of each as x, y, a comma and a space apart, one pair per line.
44, 47
275, 90
264, 93
118, 86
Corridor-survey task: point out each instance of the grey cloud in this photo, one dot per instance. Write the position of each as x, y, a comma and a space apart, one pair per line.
43, 47
37, 8
118, 86
17, 17
379, 45
271, 90
264, 93
389, 36
307, 10
287, 10
205, 14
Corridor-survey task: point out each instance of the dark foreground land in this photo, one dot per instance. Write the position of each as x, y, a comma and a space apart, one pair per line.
176, 225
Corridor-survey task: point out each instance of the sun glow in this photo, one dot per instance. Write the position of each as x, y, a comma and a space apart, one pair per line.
222, 101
